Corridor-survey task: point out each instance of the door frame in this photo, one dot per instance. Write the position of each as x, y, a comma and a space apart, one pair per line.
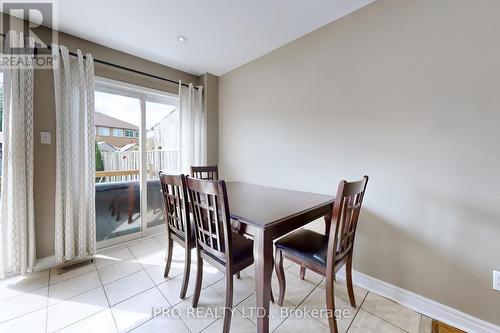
144, 95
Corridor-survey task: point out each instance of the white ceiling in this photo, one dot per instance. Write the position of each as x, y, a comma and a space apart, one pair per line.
222, 34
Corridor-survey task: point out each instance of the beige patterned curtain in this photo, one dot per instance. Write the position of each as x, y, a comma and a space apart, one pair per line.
17, 226
193, 127
75, 155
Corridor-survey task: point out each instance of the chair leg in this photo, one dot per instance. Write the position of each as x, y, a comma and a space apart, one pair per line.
302, 272
348, 275
170, 247
271, 286
229, 302
330, 306
280, 273
187, 270
199, 277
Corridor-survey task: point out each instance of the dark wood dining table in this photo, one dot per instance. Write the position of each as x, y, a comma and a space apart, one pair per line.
267, 213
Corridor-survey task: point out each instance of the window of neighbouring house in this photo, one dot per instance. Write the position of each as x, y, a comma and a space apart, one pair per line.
103, 131
130, 134
118, 132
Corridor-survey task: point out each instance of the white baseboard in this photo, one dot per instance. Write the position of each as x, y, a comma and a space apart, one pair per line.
44, 263
424, 305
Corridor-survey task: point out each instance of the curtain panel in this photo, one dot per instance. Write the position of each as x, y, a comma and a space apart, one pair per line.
193, 127
17, 225
75, 228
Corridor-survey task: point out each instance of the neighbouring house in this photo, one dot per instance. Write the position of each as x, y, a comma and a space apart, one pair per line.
129, 147
115, 132
166, 133
106, 147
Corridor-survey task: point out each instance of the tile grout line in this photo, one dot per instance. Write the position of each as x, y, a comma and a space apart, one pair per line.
30, 291
316, 287
81, 319
109, 304
68, 279
74, 277
203, 330
77, 296
295, 306
206, 287
117, 262
170, 307
357, 311
155, 287
302, 301
373, 314
162, 247
420, 325
402, 329
133, 241
30, 312
107, 299
47, 308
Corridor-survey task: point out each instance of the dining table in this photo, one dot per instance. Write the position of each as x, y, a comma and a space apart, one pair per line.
266, 213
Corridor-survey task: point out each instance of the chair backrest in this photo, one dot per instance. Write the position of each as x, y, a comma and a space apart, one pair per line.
175, 201
210, 209
345, 216
210, 172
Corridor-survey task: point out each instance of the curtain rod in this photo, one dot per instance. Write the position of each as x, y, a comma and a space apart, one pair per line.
107, 63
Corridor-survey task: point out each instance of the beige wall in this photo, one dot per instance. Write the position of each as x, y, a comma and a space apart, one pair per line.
44, 120
407, 92
211, 105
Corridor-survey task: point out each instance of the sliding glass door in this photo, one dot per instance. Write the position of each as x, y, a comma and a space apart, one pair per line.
137, 135
162, 150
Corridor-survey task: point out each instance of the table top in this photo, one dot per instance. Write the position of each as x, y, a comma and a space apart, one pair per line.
263, 206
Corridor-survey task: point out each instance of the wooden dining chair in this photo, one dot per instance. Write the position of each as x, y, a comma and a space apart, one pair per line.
177, 219
227, 251
210, 172
326, 254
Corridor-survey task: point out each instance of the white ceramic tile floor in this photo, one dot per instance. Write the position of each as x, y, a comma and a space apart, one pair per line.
137, 310
113, 256
20, 284
118, 291
71, 287
75, 309
117, 271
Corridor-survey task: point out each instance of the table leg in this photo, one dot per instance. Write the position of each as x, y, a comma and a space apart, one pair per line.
328, 222
263, 256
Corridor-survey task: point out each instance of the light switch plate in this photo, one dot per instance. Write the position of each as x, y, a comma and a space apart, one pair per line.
496, 280
45, 138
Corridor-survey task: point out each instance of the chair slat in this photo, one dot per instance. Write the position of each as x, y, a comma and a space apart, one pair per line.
210, 217
174, 198
205, 172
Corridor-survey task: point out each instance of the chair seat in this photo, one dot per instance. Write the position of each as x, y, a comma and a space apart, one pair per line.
242, 250
305, 244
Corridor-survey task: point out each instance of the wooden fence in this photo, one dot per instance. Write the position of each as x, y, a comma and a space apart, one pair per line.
125, 166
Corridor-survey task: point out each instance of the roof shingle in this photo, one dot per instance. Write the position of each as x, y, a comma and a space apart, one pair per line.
103, 120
